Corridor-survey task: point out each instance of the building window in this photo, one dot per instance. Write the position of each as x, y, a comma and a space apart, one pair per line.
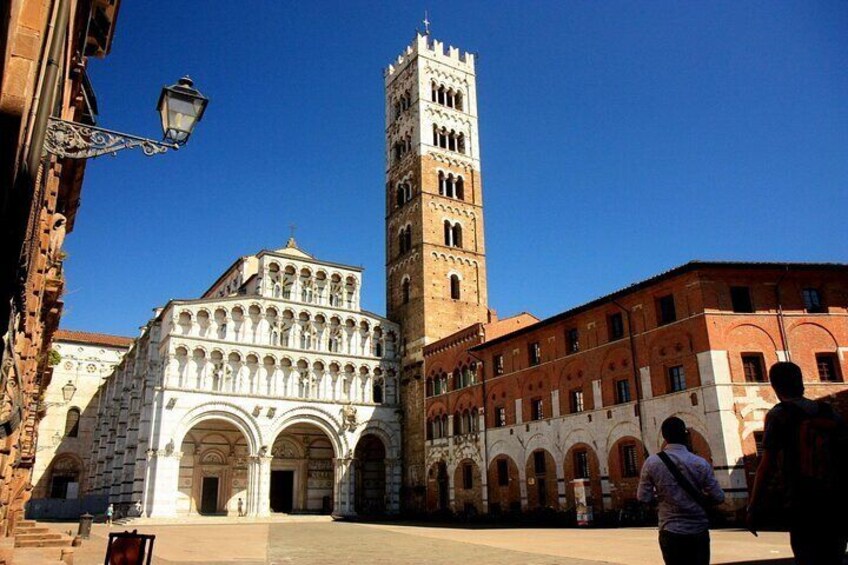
628, 460
740, 298
828, 367
665, 310
535, 351
615, 324
467, 476
499, 364
72, 422
503, 473
500, 416
454, 287
758, 443
622, 391
405, 291
581, 464
677, 378
577, 401
572, 341
539, 462
537, 409
752, 366
812, 301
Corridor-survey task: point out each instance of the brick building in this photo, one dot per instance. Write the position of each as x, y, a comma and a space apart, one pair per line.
581, 395
45, 47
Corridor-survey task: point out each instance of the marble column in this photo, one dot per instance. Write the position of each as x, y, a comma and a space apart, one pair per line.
162, 484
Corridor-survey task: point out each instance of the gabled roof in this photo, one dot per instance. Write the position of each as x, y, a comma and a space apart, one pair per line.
292, 250
91, 338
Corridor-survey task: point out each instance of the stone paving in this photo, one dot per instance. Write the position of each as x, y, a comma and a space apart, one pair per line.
314, 540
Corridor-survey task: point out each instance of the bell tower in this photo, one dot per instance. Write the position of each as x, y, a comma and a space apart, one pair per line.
435, 252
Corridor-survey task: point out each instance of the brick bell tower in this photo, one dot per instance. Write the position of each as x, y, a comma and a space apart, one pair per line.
435, 252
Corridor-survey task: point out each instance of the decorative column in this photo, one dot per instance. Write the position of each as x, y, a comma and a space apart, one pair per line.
393, 480
163, 480
259, 485
345, 487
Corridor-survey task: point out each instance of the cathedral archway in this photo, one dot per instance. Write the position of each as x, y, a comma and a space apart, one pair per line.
213, 469
370, 489
303, 474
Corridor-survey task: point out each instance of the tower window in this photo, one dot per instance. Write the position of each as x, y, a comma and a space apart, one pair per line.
500, 417
499, 364
453, 234
740, 299
537, 409
454, 287
405, 291
577, 401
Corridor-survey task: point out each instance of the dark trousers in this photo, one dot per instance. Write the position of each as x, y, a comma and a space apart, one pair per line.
685, 549
821, 545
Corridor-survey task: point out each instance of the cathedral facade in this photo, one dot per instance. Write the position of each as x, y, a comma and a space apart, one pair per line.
273, 392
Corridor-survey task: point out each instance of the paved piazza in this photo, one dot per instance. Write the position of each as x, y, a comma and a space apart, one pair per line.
313, 540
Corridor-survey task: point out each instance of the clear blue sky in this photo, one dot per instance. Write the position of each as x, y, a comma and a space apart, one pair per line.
618, 139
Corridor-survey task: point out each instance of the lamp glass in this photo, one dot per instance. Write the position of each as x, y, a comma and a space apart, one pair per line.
180, 108
68, 391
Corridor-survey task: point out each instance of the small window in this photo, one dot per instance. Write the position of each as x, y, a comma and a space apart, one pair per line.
454, 287
537, 409
666, 312
677, 378
500, 417
535, 351
72, 422
405, 291
752, 366
828, 367
615, 324
740, 298
577, 401
628, 460
499, 364
503, 473
539, 462
581, 464
622, 391
467, 476
572, 340
812, 301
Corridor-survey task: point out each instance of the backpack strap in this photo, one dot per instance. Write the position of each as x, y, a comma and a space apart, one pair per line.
684, 483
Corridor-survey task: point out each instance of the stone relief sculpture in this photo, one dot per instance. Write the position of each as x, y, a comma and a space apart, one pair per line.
349, 417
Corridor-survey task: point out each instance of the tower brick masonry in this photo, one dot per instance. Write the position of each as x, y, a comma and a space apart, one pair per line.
435, 251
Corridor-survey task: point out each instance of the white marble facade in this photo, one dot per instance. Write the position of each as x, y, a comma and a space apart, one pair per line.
275, 388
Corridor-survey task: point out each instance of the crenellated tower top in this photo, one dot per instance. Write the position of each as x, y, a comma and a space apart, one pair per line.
425, 46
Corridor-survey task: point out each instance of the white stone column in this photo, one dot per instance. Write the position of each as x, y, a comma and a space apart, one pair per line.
161, 485
259, 486
345, 487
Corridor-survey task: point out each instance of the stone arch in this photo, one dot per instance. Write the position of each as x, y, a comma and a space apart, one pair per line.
503, 484
319, 418
225, 411
571, 473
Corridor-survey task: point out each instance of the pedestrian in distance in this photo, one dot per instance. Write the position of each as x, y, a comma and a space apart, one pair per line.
806, 443
685, 488
240, 508
110, 510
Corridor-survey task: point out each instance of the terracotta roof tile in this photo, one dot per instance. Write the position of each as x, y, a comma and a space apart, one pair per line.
95, 338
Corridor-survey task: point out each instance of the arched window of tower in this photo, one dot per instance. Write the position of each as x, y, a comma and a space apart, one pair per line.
454, 287
405, 291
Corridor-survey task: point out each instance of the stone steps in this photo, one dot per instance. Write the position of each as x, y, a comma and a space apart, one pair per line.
28, 533
33, 530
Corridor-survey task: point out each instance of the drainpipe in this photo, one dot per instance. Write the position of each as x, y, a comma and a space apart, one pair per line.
636, 375
781, 320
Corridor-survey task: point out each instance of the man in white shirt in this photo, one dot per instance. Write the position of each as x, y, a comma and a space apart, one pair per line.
683, 495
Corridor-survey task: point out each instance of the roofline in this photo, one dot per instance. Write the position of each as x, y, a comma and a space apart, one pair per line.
224, 274
694, 265
312, 260
93, 338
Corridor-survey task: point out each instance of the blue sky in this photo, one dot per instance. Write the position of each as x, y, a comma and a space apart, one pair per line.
618, 139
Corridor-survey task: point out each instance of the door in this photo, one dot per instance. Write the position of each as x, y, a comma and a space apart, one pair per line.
209, 496
282, 491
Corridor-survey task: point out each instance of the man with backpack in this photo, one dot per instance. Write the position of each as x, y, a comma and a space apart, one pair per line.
805, 442
685, 487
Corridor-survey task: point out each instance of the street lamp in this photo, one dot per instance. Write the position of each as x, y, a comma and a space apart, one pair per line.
68, 391
180, 107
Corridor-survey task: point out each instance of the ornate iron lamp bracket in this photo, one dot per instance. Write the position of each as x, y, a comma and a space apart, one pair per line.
79, 141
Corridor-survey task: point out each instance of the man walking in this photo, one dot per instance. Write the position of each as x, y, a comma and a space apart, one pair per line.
811, 440
684, 486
